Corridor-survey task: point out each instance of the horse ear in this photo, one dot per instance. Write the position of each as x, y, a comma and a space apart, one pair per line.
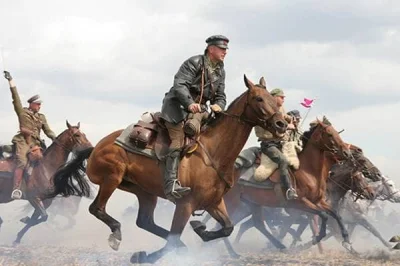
79, 125
68, 124
262, 82
248, 83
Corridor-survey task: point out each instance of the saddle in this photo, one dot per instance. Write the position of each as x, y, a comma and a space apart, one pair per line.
150, 133
8, 163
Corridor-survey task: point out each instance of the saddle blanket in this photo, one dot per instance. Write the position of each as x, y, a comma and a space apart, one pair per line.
267, 166
247, 179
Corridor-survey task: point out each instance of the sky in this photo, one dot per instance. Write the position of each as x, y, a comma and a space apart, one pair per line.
104, 63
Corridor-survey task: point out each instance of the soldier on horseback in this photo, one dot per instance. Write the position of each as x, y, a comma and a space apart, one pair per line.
201, 78
295, 133
271, 145
30, 124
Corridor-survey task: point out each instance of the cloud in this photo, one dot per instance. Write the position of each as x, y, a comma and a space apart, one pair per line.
105, 63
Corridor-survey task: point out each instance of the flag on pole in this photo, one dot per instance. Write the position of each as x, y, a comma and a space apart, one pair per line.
307, 103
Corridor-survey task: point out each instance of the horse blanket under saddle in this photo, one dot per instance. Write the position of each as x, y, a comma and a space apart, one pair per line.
267, 166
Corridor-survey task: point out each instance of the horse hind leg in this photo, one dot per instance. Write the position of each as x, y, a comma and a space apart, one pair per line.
98, 209
147, 204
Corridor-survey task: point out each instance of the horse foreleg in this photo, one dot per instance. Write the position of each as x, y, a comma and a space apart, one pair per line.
147, 205
367, 225
258, 220
219, 213
29, 223
350, 229
303, 222
1, 222
243, 228
98, 209
182, 214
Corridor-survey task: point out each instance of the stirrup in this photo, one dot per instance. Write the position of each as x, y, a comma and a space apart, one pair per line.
176, 194
294, 196
16, 194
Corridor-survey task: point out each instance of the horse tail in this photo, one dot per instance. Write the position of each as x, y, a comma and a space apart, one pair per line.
71, 171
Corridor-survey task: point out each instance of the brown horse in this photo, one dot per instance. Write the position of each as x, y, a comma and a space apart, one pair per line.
343, 176
38, 184
208, 171
321, 150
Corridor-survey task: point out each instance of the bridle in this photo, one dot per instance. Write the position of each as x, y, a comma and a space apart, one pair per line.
241, 119
72, 139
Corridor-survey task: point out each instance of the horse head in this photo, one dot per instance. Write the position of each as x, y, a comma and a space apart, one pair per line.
327, 139
73, 139
261, 109
368, 169
386, 189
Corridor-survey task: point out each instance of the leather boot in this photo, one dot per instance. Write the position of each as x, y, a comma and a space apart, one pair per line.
291, 193
172, 188
17, 193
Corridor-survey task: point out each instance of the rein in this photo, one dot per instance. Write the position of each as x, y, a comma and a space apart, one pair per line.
241, 119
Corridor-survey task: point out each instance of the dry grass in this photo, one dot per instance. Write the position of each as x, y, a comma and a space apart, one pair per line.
52, 255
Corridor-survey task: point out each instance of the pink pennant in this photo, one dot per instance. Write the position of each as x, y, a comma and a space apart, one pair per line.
307, 103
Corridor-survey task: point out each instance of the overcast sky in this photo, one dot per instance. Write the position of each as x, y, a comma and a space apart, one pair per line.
103, 63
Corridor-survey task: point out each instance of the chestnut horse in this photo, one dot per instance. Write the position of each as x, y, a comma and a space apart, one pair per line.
322, 148
208, 171
39, 183
343, 176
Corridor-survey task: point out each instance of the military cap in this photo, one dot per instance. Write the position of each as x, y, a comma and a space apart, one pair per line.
218, 40
277, 92
35, 99
294, 113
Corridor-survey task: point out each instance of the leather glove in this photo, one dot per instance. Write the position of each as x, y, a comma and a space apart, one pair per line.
216, 108
7, 75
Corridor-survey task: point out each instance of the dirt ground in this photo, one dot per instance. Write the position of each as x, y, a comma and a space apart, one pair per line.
86, 244
58, 255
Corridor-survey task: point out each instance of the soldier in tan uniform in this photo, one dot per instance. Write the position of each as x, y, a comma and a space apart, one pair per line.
271, 145
30, 124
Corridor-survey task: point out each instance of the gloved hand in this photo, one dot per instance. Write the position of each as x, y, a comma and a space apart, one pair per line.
7, 75
216, 108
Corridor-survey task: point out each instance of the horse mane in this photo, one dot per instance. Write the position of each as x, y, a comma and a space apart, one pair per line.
313, 125
53, 143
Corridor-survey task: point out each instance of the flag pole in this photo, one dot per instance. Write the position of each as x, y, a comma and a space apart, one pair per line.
304, 119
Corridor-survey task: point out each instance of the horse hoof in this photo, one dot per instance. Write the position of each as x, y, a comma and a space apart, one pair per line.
15, 244
113, 242
397, 246
198, 226
314, 241
139, 257
235, 256
395, 239
25, 220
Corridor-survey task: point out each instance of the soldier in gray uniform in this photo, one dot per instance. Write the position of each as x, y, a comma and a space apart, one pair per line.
200, 79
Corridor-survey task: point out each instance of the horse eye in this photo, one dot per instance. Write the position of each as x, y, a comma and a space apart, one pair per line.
259, 99
77, 135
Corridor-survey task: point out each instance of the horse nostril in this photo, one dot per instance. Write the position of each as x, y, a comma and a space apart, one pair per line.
280, 124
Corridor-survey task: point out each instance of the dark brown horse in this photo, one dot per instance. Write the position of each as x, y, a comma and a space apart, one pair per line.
208, 171
40, 181
321, 150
